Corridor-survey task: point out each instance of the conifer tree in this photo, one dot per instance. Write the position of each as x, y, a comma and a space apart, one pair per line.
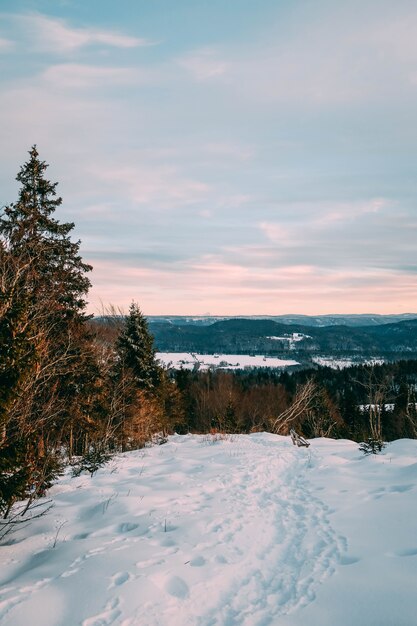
28, 228
136, 351
42, 331
136, 382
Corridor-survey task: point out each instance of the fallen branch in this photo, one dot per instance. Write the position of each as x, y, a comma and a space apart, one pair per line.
298, 440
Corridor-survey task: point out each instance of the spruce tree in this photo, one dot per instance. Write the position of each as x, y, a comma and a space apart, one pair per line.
42, 332
28, 229
136, 351
43, 277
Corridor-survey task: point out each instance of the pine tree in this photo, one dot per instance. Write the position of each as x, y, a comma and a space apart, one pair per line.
136, 351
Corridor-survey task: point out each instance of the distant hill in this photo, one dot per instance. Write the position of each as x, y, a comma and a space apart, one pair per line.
316, 321
266, 336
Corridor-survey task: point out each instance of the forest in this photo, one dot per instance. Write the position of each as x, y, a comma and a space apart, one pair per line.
264, 336
74, 392
355, 403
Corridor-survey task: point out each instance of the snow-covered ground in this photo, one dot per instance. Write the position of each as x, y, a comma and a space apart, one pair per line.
192, 360
244, 531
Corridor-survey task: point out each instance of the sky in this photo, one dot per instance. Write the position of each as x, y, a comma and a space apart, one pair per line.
231, 158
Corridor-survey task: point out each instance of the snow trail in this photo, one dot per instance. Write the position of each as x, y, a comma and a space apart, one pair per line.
273, 547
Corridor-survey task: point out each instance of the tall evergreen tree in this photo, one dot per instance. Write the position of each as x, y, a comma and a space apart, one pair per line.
136, 351
42, 329
28, 228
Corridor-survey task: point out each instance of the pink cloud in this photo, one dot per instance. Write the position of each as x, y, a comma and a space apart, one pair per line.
275, 232
163, 186
231, 289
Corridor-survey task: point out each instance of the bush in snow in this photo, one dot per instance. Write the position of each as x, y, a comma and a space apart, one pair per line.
372, 446
91, 461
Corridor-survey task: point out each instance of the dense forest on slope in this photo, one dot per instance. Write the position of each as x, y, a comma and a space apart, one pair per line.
272, 338
336, 403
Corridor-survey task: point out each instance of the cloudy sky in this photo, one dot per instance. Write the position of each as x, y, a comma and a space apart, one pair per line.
231, 157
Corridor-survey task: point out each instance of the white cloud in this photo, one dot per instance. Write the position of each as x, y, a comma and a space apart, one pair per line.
395, 36
71, 75
204, 64
229, 151
54, 35
309, 222
335, 61
5, 44
343, 212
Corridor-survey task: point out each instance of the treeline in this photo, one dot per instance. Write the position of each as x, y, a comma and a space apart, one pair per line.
65, 392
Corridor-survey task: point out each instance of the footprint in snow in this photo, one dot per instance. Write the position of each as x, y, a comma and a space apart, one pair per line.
81, 536
407, 552
70, 572
173, 585
198, 561
176, 587
120, 579
107, 617
127, 527
219, 558
348, 560
400, 488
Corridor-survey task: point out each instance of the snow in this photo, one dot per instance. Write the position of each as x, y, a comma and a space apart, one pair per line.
246, 530
342, 363
333, 363
291, 340
192, 360
294, 337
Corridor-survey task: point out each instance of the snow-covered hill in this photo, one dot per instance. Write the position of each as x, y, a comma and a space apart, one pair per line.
244, 531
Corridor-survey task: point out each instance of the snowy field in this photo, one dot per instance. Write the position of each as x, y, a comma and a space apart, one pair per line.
246, 531
192, 360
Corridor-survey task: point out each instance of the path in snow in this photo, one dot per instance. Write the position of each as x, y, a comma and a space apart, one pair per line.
278, 540
191, 533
